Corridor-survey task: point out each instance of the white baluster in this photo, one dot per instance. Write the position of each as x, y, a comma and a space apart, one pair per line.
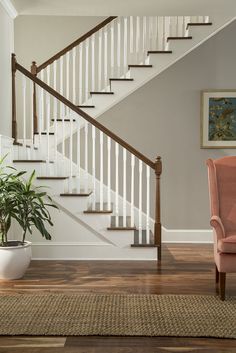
55, 112
100, 60
187, 19
108, 173
164, 33
118, 50
131, 33
78, 155
61, 81
148, 205
48, 128
94, 166
74, 74
150, 30
81, 73
32, 113
137, 38
177, 34
62, 108
41, 110
154, 38
87, 69
93, 78
124, 187
112, 49
105, 60
140, 202
86, 155
144, 37
101, 170
125, 46
48, 83
24, 108
68, 75
168, 30
71, 151
132, 191
117, 186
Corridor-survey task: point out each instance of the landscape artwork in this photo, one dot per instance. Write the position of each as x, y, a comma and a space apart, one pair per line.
218, 119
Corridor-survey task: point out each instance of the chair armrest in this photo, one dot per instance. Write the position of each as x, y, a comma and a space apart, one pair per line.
217, 224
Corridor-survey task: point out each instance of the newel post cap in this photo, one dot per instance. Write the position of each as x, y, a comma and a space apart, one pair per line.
33, 68
158, 166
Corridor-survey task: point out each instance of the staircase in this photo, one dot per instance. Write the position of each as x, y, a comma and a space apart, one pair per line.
107, 191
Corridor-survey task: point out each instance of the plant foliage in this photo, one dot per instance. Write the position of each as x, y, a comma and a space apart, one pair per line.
25, 203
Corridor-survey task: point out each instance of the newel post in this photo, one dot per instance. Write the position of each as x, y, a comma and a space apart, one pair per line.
157, 227
34, 72
13, 83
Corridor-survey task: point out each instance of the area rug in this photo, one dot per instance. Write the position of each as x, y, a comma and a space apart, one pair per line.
117, 315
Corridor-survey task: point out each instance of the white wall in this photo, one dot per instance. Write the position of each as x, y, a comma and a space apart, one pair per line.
6, 48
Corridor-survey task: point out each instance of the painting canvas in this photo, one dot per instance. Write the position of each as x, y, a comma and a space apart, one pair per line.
218, 126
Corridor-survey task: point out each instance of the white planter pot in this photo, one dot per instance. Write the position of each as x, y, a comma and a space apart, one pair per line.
14, 260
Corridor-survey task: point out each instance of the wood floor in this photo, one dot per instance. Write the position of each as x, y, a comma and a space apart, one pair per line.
185, 269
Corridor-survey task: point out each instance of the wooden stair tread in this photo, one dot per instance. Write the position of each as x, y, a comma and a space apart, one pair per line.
86, 106
121, 228
82, 193
121, 79
144, 240
97, 210
160, 52
139, 66
28, 146
120, 223
30, 161
179, 38
52, 177
199, 24
67, 120
101, 92
44, 133
16, 143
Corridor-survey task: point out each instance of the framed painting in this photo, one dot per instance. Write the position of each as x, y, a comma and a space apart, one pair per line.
218, 119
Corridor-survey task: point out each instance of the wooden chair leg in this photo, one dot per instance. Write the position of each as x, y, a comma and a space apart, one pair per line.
217, 275
222, 276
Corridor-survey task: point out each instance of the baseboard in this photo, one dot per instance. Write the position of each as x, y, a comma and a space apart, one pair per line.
103, 251
194, 236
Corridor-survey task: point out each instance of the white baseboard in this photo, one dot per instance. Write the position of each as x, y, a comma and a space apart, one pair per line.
103, 251
194, 236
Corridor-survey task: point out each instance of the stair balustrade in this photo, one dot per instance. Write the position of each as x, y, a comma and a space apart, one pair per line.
88, 156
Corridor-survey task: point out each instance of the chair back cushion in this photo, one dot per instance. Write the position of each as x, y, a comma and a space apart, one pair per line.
225, 171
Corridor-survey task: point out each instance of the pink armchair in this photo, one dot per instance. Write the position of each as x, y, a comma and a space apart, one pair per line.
222, 189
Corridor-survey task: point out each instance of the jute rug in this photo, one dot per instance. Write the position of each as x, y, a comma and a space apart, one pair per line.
117, 315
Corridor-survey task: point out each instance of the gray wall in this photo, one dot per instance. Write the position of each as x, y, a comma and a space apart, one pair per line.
40, 37
163, 117
6, 48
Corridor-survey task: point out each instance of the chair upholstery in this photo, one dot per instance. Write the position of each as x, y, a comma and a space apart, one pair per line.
222, 191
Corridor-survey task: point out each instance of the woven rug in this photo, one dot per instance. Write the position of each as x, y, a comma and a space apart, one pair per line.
117, 315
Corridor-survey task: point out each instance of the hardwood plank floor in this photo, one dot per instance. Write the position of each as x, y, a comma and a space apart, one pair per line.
185, 269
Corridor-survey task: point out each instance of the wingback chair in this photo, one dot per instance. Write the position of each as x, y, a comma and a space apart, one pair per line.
222, 190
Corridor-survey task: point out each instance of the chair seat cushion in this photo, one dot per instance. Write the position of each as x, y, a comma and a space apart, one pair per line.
227, 244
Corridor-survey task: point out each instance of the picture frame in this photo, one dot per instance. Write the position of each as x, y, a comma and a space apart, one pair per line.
218, 118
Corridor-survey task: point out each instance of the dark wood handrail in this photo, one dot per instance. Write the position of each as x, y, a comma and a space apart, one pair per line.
85, 116
75, 43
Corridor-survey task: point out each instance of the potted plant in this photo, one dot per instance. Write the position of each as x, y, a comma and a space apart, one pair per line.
28, 206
